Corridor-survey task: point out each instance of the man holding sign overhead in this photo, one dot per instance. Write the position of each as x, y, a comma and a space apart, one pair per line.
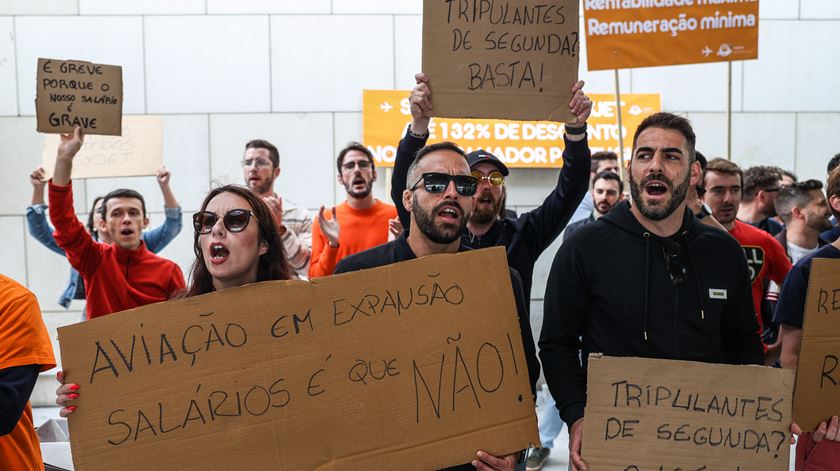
646, 280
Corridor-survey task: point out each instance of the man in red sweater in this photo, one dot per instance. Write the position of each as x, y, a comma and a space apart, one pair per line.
766, 258
360, 223
118, 276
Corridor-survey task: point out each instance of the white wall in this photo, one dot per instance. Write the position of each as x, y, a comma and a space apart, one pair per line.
225, 71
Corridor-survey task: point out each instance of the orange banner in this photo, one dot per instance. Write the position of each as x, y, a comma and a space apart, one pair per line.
622, 34
520, 144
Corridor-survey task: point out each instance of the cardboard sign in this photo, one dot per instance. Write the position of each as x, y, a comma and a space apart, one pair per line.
511, 59
385, 115
815, 395
78, 93
138, 151
647, 414
622, 34
410, 366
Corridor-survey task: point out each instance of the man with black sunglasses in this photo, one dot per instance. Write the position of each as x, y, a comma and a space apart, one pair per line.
439, 201
646, 280
528, 235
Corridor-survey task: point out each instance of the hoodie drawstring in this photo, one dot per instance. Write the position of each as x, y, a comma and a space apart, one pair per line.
696, 277
647, 282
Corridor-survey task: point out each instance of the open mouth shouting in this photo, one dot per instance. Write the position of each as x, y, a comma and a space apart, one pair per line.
450, 212
656, 188
218, 253
359, 181
126, 232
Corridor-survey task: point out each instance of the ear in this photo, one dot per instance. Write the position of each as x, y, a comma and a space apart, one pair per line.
339, 178
696, 173
263, 248
145, 223
796, 212
374, 176
276, 172
407, 200
834, 202
103, 226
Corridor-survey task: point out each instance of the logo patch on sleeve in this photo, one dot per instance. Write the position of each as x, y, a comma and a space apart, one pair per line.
717, 293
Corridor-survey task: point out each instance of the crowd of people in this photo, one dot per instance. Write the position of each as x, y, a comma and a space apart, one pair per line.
701, 261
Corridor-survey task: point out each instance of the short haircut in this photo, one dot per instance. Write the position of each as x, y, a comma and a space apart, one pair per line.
357, 146
789, 174
760, 177
273, 155
797, 195
446, 145
607, 175
121, 193
833, 163
599, 157
832, 188
725, 167
671, 121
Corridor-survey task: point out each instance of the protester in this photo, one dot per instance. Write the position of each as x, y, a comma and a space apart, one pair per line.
156, 239
820, 450
229, 250
766, 258
439, 200
361, 222
607, 189
834, 233
804, 209
761, 185
693, 198
25, 351
120, 275
672, 268
260, 168
788, 179
526, 237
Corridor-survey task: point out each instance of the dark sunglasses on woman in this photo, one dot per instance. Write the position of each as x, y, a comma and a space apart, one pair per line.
435, 182
235, 220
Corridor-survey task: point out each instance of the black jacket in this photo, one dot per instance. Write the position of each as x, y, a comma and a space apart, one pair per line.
609, 291
571, 228
398, 251
527, 236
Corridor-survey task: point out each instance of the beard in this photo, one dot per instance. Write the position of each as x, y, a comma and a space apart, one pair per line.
444, 232
817, 223
262, 187
348, 187
656, 212
604, 206
484, 213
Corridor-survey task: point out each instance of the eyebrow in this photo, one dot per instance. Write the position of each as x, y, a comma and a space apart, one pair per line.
667, 149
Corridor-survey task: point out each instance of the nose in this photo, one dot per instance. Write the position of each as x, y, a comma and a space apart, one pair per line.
656, 162
451, 192
218, 228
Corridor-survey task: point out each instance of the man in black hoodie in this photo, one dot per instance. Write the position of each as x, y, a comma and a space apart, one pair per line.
646, 280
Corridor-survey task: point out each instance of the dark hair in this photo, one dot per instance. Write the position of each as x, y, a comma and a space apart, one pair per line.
93, 232
725, 167
832, 188
797, 195
446, 145
760, 177
273, 155
357, 147
677, 123
833, 163
789, 174
272, 265
607, 175
120, 193
599, 157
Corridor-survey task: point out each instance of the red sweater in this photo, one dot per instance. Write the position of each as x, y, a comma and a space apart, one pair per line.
812, 456
116, 279
359, 231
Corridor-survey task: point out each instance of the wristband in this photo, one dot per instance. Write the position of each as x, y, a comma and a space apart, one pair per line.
575, 129
418, 136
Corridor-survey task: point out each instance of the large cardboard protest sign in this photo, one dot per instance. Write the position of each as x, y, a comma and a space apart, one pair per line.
816, 395
531, 144
641, 33
411, 366
137, 151
77, 93
647, 414
504, 59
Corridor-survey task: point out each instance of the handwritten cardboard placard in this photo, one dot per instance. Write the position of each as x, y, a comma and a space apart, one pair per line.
510, 59
815, 394
648, 414
622, 35
385, 115
77, 93
137, 151
409, 366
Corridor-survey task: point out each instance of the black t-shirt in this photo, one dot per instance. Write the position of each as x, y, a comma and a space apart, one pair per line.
791, 306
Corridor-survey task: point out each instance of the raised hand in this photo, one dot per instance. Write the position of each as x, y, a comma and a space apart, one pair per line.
581, 105
329, 227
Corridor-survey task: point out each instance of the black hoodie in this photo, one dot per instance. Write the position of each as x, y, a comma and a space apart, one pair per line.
609, 291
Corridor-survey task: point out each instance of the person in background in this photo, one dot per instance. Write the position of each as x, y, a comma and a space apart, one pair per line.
834, 233
761, 185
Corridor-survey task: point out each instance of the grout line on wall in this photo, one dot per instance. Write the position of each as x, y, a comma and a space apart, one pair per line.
743, 90
17, 80
334, 182
270, 69
145, 66
394, 49
26, 254
209, 152
795, 140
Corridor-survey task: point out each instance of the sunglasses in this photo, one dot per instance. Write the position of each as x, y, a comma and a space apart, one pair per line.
435, 182
495, 178
235, 220
676, 271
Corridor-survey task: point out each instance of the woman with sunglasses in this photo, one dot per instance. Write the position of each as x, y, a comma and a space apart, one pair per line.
236, 243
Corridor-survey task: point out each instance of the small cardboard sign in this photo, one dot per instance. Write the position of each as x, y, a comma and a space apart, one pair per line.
411, 366
621, 35
137, 151
386, 113
515, 59
649, 414
77, 93
816, 395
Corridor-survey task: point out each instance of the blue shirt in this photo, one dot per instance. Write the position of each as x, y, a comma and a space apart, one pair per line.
791, 306
156, 239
